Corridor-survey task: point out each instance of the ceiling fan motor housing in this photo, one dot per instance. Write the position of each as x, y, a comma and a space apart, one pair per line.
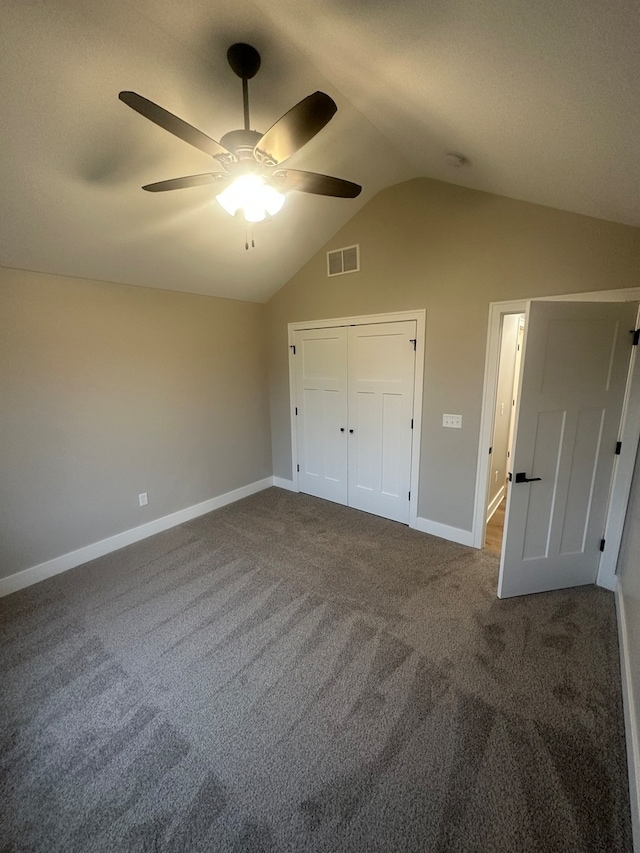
241, 143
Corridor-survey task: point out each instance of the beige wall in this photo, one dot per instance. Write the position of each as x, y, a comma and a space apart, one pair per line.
107, 391
427, 244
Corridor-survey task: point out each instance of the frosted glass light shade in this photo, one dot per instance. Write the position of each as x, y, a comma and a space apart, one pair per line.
250, 194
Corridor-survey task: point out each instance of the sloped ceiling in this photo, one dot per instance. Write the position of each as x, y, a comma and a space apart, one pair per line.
542, 98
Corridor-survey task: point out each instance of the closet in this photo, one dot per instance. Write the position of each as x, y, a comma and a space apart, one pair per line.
354, 397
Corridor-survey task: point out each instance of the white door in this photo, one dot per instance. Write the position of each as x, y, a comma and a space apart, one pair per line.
574, 372
321, 397
381, 383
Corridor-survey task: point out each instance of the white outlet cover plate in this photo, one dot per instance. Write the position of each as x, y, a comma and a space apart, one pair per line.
143, 499
452, 421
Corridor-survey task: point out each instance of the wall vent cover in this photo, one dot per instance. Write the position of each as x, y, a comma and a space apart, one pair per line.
341, 261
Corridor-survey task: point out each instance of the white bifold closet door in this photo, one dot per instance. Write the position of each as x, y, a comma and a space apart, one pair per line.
321, 409
354, 396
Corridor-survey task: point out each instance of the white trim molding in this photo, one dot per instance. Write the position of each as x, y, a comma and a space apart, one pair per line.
495, 503
497, 311
360, 320
444, 531
622, 475
281, 483
631, 720
41, 572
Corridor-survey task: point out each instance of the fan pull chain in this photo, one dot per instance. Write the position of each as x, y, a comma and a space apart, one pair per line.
246, 240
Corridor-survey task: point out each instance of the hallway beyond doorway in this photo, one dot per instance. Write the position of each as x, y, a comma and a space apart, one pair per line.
495, 529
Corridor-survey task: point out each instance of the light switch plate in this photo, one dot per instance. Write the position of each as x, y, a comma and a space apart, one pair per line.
452, 421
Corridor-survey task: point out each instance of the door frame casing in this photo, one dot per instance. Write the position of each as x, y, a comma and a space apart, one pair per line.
420, 317
629, 429
497, 310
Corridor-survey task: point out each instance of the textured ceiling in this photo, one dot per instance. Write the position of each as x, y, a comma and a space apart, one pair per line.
543, 98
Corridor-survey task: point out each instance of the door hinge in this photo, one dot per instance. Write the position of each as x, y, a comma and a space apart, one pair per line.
490, 451
411, 423
296, 410
636, 336
618, 447
293, 349
414, 341
602, 541
409, 495
297, 467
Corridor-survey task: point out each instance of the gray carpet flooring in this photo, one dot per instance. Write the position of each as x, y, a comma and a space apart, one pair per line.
286, 674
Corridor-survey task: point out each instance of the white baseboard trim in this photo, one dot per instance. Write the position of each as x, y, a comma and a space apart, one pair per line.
41, 572
281, 483
607, 581
444, 531
631, 720
495, 503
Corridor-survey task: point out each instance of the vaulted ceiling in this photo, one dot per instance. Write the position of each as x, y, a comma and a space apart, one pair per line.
542, 98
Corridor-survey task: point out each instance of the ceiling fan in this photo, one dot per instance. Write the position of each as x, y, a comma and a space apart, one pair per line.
253, 178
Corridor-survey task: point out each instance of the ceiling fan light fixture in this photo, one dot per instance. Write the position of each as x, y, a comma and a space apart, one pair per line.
252, 196
248, 155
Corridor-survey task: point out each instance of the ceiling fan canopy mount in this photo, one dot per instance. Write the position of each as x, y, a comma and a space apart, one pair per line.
245, 151
244, 60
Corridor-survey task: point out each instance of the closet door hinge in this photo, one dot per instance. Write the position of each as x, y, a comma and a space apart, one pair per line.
296, 410
618, 447
636, 336
409, 496
297, 467
411, 423
602, 541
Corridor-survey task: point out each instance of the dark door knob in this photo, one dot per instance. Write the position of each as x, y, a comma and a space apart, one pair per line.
522, 478
341, 429
350, 430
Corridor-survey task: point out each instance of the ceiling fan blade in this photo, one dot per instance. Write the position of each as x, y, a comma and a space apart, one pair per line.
312, 182
173, 124
295, 128
218, 178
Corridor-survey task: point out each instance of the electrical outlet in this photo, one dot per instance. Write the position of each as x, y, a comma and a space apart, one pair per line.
452, 421
143, 499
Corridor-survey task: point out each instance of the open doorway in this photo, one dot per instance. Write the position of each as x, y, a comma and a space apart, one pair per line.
510, 353
629, 431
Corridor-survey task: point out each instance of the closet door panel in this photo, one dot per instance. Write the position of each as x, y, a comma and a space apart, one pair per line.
365, 443
391, 452
321, 395
381, 377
